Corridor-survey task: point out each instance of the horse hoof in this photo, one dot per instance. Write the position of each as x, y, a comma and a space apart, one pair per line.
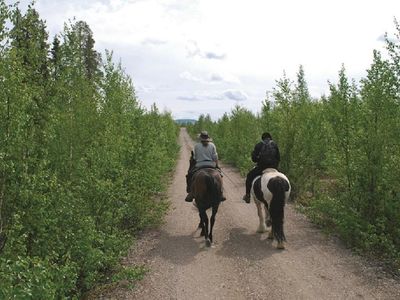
208, 243
280, 246
261, 230
270, 236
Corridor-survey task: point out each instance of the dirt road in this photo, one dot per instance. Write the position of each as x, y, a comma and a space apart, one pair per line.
243, 264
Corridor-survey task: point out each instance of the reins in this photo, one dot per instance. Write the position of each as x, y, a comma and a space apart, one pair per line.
227, 176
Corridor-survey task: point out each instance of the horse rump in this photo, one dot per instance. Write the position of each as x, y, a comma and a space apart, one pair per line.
214, 188
207, 187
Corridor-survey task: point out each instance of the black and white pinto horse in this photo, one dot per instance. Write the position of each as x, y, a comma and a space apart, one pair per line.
271, 189
207, 190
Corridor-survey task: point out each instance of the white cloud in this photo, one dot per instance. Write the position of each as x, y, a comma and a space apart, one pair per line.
194, 50
212, 78
236, 95
216, 77
235, 50
223, 77
144, 88
155, 42
189, 98
202, 96
188, 76
213, 55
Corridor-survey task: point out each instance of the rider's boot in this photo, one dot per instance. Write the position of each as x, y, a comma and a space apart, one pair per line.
188, 178
189, 197
223, 198
246, 198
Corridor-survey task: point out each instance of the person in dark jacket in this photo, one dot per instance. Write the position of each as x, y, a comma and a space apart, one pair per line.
262, 164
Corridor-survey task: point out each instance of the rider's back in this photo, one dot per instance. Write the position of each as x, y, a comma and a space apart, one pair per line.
205, 154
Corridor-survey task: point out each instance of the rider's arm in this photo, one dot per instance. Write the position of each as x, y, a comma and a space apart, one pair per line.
278, 155
195, 152
214, 154
256, 152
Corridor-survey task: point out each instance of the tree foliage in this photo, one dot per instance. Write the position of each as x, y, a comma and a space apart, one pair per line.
80, 159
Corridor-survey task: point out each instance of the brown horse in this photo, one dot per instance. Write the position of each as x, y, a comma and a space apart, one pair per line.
207, 190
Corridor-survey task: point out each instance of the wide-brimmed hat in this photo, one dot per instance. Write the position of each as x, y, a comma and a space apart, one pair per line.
204, 137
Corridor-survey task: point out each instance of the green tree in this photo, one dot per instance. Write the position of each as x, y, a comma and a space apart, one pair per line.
284, 121
379, 140
341, 107
78, 165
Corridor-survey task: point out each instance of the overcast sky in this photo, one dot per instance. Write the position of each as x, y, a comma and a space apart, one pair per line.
194, 57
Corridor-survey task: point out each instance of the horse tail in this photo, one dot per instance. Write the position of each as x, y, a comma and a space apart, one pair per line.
278, 186
213, 188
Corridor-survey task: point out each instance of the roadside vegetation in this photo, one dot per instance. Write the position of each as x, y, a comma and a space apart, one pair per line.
80, 160
341, 151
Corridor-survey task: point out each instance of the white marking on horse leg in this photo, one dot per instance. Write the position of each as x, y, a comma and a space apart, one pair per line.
261, 227
280, 246
267, 217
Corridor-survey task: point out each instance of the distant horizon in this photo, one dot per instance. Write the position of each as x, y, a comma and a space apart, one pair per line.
185, 121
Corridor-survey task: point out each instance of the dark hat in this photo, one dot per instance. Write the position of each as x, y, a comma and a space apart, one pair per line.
204, 137
266, 135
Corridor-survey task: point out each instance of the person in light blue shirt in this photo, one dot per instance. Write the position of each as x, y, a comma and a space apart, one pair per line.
204, 155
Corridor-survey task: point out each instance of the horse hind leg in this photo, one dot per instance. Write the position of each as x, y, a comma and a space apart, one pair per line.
258, 196
202, 232
212, 221
268, 223
202, 226
204, 220
261, 227
280, 245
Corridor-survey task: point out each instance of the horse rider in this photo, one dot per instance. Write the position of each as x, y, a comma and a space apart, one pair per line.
204, 155
271, 158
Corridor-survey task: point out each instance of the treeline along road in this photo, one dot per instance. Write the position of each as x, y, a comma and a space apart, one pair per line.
243, 264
